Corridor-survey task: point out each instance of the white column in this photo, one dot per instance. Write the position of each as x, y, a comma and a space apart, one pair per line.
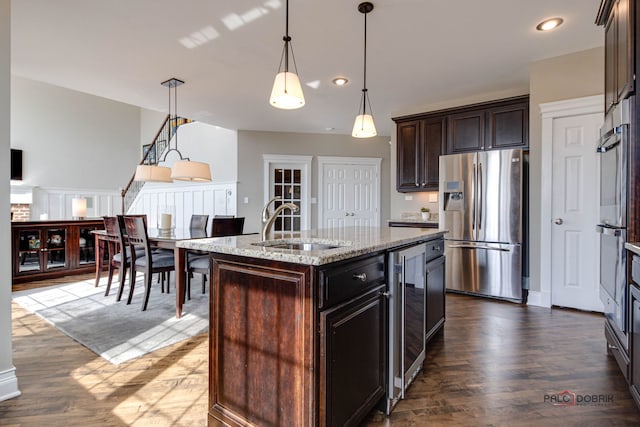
8, 379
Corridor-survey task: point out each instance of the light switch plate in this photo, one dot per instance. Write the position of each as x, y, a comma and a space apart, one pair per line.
245, 200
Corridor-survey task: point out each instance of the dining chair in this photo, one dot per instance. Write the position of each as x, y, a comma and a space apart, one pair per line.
220, 227
198, 226
114, 242
150, 262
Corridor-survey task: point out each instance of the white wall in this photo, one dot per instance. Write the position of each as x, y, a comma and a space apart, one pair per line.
8, 380
210, 144
73, 140
150, 122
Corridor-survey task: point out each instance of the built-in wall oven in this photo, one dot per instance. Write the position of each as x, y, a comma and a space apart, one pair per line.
613, 152
407, 320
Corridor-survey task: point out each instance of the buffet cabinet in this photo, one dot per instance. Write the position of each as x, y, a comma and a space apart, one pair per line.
422, 138
50, 249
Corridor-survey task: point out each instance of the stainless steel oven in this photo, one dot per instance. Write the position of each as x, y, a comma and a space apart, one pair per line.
613, 152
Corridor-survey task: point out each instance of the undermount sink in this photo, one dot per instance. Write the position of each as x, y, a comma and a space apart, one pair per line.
305, 246
298, 246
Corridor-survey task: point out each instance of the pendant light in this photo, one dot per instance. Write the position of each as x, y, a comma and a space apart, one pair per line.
287, 90
182, 169
364, 126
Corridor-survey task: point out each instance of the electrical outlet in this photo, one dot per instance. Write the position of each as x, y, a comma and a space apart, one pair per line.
407, 197
245, 200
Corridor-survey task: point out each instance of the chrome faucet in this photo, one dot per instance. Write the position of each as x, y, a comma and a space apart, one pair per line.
268, 219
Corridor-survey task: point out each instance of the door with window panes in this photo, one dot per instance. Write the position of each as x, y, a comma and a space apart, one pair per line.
287, 185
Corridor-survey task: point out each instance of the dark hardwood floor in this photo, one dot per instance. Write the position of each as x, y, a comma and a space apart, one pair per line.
493, 366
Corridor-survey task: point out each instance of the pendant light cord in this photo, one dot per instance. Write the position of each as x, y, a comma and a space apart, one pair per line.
365, 53
286, 39
173, 118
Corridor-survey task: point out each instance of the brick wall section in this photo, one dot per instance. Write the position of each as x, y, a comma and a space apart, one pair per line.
21, 212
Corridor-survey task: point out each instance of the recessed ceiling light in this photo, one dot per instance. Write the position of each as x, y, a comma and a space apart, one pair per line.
549, 24
340, 81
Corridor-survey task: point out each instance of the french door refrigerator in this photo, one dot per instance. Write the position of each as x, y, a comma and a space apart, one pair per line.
481, 206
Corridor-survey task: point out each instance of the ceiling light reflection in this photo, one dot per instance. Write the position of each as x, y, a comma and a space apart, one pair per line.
200, 37
315, 84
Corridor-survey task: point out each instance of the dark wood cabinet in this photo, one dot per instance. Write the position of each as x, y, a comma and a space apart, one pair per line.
507, 127
49, 249
422, 138
466, 132
419, 146
634, 376
293, 344
353, 340
352, 337
617, 18
495, 126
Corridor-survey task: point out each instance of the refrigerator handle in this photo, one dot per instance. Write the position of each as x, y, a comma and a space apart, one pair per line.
473, 190
480, 196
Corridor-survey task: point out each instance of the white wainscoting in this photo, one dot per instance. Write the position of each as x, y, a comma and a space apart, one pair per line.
56, 202
200, 199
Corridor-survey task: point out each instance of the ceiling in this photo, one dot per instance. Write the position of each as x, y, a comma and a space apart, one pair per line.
421, 53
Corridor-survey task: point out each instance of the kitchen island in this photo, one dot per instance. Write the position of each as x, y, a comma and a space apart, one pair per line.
298, 332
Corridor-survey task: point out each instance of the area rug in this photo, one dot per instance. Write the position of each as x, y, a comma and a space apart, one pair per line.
116, 331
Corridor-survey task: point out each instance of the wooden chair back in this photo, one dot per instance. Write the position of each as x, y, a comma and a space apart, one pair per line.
226, 226
112, 229
136, 228
198, 226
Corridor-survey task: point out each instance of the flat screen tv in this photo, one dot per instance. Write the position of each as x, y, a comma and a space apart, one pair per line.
16, 164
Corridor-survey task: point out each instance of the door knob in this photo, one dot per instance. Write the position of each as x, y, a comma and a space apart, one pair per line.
558, 221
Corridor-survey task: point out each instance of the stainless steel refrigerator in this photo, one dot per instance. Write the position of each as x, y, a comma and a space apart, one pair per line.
481, 206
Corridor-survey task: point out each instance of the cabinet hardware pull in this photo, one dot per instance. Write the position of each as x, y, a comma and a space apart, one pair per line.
612, 347
436, 248
385, 294
417, 184
362, 277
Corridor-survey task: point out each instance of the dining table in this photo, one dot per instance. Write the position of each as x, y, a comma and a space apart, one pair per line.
157, 239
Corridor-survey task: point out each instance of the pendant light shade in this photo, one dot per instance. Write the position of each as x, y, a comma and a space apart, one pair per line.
287, 90
183, 169
152, 173
186, 170
364, 126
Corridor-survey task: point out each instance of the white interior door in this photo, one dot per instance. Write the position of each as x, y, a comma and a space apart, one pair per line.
349, 192
574, 207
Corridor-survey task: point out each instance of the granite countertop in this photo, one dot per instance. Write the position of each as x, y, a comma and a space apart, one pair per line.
633, 247
351, 242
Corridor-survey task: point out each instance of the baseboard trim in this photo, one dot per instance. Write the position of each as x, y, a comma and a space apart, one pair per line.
539, 299
8, 384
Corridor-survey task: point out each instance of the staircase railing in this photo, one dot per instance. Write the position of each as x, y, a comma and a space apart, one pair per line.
151, 157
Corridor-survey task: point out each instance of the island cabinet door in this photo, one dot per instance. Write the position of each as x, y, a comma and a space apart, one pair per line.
261, 344
352, 359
